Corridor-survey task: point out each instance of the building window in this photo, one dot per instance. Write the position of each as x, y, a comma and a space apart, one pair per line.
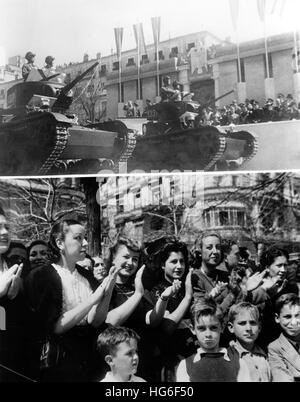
103, 69
115, 66
242, 78
130, 62
241, 218
224, 218
160, 55
190, 46
145, 59
174, 52
270, 61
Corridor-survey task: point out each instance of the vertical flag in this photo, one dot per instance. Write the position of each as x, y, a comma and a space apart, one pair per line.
141, 49
234, 9
156, 35
278, 6
262, 10
156, 30
261, 6
119, 39
139, 38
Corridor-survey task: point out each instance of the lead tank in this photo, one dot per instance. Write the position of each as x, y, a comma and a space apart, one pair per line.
38, 134
174, 138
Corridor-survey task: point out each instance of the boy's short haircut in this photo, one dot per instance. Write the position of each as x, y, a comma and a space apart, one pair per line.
206, 307
237, 308
289, 298
111, 337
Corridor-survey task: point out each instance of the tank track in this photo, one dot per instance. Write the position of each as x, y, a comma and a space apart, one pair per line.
61, 141
254, 147
127, 151
218, 154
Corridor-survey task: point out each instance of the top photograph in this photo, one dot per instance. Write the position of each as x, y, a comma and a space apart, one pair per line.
89, 87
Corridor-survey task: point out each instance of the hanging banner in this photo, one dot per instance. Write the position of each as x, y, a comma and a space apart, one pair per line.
119, 40
261, 6
139, 38
278, 7
156, 30
234, 9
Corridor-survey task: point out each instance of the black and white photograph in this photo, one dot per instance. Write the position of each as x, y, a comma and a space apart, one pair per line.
88, 87
149, 193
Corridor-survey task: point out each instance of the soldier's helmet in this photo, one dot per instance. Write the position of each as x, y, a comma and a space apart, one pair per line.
49, 59
29, 55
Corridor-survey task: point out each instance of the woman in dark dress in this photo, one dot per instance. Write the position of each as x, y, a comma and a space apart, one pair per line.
68, 306
170, 299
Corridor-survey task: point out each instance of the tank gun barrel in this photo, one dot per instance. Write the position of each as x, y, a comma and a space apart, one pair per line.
63, 101
69, 86
214, 99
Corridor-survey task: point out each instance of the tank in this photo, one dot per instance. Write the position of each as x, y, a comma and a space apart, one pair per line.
39, 135
173, 138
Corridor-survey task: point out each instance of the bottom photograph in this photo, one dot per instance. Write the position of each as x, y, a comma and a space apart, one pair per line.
150, 278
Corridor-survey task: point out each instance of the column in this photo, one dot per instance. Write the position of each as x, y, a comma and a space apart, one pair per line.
269, 88
184, 80
241, 92
296, 80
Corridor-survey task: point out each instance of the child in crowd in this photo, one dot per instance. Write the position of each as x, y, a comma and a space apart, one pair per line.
211, 363
284, 356
244, 323
118, 345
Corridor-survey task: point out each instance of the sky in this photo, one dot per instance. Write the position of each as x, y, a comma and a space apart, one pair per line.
66, 29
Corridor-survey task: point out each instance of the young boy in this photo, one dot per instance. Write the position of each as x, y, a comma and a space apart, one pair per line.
244, 323
211, 363
284, 356
118, 345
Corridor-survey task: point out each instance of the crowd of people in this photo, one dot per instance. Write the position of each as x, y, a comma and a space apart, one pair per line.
283, 108
158, 312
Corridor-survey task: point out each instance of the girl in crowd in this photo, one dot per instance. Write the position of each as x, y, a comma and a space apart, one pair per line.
170, 300
11, 310
68, 305
38, 254
274, 263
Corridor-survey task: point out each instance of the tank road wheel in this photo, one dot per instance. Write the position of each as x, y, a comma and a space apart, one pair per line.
211, 146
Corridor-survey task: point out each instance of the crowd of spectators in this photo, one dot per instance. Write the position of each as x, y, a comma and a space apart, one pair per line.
283, 108
72, 317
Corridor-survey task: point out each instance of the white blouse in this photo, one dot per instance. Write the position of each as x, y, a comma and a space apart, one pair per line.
75, 289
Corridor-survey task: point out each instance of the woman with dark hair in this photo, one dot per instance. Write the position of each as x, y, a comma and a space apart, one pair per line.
274, 263
38, 253
11, 310
68, 306
170, 300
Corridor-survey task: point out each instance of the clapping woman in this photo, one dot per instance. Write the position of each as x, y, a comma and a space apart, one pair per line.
68, 305
170, 300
